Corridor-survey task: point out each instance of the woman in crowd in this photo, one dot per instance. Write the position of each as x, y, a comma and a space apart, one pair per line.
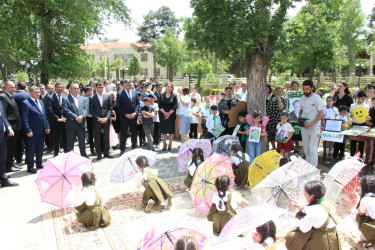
370, 93
224, 106
167, 114
274, 107
342, 96
196, 95
184, 105
214, 98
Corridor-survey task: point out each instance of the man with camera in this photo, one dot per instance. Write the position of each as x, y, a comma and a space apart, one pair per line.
310, 115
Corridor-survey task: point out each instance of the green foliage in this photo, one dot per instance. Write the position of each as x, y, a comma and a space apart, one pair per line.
116, 64
198, 64
156, 23
286, 76
155, 26
17, 36
170, 52
213, 79
100, 67
22, 76
63, 26
134, 68
206, 92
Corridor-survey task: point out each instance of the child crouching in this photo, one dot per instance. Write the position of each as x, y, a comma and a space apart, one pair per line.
156, 190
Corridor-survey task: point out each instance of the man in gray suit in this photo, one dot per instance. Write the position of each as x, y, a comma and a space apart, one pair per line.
75, 109
101, 111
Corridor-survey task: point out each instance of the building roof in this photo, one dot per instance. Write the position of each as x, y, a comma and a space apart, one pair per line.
114, 45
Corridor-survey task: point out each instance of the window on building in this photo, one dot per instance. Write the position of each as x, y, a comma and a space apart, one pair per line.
158, 72
145, 72
144, 57
125, 57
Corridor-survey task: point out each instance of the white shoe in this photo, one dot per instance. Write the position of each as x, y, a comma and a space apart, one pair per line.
168, 203
149, 206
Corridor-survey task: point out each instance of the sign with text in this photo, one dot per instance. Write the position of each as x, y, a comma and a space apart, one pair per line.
332, 136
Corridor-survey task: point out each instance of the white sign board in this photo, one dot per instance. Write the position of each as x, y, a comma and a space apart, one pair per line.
332, 136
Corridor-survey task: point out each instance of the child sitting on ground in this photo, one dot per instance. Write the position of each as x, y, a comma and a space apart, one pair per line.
241, 133
284, 136
264, 237
224, 204
240, 164
156, 190
366, 209
88, 204
196, 159
212, 121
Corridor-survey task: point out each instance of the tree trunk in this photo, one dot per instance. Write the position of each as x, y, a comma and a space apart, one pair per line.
215, 69
256, 74
170, 77
3, 72
198, 85
312, 70
334, 76
155, 71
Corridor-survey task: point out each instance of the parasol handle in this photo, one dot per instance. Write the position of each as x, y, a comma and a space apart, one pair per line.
132, 164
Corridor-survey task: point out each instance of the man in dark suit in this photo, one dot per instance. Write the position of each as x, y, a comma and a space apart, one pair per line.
55, 111
101, 111
19, 97
88, 94
75, 108
13, 116
35, 123
128, 103
159, 89
5, 131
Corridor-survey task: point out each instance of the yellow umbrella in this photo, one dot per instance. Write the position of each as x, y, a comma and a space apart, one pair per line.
262, 166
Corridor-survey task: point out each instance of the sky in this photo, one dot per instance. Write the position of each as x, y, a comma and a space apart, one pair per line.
181, 8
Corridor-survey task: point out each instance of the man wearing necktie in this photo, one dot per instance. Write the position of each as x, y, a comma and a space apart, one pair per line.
128, 104
35, 123
57, 118
5, 131
13, 116
101, 111
75, 108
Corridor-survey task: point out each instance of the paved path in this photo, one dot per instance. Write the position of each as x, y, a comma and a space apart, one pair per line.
24, 218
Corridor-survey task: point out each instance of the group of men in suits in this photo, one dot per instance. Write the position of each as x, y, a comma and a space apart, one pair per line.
26, 120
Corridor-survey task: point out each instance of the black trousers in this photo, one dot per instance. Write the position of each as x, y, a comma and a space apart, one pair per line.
20, 145
11, 149
59, 135
125, 124
100, 129
193, 130
353, 144
90, 131
338, 149
141, 134
156, 135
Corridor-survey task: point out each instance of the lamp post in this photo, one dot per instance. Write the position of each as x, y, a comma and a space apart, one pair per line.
29, 65
360, 65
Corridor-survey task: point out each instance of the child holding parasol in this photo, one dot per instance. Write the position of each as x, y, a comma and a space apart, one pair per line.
196, 160
317, 227
224, 203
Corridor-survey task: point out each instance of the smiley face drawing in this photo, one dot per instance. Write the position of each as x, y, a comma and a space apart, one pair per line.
360, 114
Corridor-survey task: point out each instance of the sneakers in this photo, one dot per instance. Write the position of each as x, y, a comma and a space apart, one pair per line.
168, 203
149, 206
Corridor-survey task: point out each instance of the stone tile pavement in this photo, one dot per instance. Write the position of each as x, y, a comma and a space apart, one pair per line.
24, 219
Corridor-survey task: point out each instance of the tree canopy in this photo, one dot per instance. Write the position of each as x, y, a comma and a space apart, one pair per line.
134, 68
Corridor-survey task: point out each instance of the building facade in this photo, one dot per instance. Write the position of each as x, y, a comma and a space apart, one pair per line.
126, 50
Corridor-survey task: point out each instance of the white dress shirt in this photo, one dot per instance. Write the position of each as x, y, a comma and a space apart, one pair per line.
315, 217
38, 104
210, 123
234, 159
367, 205
78, 197
100, 97
76, 100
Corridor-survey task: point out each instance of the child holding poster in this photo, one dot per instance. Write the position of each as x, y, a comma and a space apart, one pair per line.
255, 131
358, 113
284, 135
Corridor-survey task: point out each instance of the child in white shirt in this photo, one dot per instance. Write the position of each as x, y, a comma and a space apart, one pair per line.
330, 112
212, 121
194, 115
284, 135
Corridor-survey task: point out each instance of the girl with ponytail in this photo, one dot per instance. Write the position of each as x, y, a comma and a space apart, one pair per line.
224, 203
196, 160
